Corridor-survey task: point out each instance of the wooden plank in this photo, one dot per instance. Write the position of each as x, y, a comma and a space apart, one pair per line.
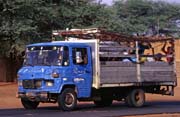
117, 64
158, 79
156, 63
117, 74
125, 72
139, 84
115, 49
118, 69
114, 54
157, 72
150, 69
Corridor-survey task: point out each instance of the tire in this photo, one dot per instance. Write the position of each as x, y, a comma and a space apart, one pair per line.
27, 104
67, 100
136, 98
128, 101
103, 102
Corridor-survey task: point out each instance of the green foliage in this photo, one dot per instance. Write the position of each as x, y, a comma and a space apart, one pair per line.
29, 21
19, 19
141, 15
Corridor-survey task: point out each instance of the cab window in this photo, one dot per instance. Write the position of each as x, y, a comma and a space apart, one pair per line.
80, 56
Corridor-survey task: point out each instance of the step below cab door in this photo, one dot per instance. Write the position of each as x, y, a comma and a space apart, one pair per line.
82, 70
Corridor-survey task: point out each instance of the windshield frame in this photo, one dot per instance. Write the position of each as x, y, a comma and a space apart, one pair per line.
46, 56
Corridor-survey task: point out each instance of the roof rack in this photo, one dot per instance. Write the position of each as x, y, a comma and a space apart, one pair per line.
102, 35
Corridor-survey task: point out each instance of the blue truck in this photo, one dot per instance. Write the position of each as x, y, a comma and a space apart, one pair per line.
66, 72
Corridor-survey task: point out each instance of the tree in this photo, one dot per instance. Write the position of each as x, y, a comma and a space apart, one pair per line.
29, 21
20, 24
138, 16
24, 22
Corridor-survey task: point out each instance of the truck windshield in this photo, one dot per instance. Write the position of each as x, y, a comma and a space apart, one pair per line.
46, 55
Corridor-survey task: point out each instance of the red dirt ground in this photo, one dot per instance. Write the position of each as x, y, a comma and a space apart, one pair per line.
8, 96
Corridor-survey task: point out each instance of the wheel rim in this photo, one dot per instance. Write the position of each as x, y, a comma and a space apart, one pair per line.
139, 97
69, 99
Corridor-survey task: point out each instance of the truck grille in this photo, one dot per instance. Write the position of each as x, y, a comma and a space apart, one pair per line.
28, 84
32, 84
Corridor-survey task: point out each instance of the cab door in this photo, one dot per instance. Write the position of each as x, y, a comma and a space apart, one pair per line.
82, 70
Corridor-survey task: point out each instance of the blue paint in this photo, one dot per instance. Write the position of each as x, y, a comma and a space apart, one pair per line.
69, 73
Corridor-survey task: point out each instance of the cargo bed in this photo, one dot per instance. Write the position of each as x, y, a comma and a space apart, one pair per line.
119, 73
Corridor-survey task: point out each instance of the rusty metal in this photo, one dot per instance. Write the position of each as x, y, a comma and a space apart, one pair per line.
103, 35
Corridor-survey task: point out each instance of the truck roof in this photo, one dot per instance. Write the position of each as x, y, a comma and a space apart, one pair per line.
80, 43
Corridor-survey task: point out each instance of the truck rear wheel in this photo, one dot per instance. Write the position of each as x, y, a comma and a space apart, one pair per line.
136, 98
67, 100
29, 104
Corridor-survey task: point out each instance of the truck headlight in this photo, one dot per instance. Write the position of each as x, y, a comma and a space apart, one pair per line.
20, 84
49, 83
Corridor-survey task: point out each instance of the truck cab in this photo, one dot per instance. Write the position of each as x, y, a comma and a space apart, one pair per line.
55, 72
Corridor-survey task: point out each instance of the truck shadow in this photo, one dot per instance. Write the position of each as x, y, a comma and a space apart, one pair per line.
117, 109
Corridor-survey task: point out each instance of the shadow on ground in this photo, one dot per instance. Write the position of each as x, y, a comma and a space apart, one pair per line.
88, 110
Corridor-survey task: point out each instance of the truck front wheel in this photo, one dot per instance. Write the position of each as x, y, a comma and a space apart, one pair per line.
67, 100
136, 98
29, 104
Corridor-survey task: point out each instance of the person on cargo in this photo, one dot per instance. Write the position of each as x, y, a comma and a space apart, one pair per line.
158, 57
142, 46
169, 51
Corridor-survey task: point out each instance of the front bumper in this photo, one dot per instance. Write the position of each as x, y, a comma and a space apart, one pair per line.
34, 96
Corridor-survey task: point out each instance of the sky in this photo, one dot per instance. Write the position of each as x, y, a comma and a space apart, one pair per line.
171, 1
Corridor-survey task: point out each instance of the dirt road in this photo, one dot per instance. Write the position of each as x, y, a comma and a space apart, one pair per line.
155, 104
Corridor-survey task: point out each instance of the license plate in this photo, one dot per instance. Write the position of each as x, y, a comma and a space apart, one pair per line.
30, 94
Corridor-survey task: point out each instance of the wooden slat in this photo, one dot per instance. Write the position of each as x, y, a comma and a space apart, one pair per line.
115, 54
117, 64
155, 77
157, 71
164, 69
115, 48
125, 72
118, 75
156, 64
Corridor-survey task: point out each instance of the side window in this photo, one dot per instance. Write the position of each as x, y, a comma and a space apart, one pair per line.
80, 56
